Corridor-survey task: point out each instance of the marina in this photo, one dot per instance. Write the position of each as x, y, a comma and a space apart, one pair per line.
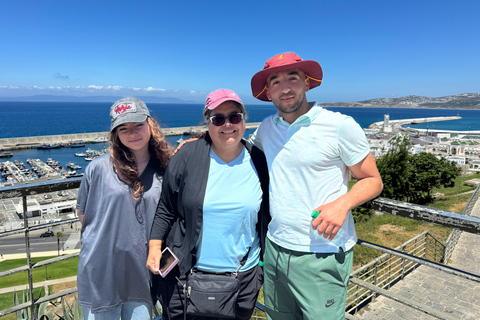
35, 165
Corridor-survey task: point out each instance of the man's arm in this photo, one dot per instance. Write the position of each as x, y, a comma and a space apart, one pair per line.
333, 214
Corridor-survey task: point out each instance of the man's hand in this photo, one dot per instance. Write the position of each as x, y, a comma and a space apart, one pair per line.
183, 142
154, 256
331, 217
333, 214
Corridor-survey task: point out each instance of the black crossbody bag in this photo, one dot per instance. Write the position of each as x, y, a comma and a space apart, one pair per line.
212, 294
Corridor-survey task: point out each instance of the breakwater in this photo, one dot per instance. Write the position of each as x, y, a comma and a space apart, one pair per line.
91, 137
399, 123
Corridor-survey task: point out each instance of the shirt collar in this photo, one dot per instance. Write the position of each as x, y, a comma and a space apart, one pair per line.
308, 117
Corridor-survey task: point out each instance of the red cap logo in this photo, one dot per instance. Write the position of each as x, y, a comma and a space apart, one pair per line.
119, 109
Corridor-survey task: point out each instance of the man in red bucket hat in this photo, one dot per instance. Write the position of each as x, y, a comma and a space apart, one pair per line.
309, 151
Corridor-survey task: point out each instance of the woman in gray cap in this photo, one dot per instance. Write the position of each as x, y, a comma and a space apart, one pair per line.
116, 205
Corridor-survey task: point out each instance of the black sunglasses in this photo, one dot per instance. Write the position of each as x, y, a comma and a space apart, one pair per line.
219, 119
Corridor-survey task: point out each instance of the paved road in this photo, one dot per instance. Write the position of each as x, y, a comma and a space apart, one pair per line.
16, 243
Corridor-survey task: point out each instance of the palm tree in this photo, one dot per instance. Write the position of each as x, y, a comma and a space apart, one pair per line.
59, 236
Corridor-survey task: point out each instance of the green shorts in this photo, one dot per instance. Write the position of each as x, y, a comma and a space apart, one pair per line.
303, 285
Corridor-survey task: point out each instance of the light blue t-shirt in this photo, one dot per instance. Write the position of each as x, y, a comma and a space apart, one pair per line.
230, 214
307, 163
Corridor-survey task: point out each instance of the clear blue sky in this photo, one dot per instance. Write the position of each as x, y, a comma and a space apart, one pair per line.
185, 49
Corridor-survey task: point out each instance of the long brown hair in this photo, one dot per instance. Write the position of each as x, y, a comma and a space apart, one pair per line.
124, 160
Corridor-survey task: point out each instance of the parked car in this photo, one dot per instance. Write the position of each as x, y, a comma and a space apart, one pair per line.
47, 234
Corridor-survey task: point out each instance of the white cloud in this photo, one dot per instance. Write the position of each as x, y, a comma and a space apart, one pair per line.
84, 91
10, 87
115, 88
151, 89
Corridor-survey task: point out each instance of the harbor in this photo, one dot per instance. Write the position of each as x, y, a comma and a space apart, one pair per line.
69, 155
77, 150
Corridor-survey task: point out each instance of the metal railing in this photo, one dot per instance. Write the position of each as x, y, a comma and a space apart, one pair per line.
367, 282
454, 236
23, 191
388, 269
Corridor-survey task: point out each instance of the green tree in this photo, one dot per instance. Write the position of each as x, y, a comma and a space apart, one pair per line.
432, 172
412, 178
395, 169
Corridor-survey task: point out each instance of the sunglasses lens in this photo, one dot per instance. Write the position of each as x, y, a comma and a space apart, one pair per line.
235, 118
218, 120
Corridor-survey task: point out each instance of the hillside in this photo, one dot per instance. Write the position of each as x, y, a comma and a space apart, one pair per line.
459, 101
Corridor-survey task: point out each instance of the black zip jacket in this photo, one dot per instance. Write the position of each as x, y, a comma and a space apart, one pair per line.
179, 215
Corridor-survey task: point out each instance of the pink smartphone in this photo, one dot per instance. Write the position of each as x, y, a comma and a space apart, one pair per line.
167, 262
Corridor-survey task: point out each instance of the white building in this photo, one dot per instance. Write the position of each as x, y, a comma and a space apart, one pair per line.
457, 160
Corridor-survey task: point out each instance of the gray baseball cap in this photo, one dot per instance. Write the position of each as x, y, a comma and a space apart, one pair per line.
128, 110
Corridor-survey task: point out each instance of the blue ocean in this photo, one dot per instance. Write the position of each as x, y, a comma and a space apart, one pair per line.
24, 119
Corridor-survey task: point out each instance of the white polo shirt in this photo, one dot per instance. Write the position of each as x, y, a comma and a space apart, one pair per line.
307, 164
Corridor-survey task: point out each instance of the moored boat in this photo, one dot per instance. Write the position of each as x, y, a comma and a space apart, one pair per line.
73, 166
99, 140
49, 146
76, 145
6, 154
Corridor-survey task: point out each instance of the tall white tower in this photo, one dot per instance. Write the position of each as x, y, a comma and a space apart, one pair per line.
386, 123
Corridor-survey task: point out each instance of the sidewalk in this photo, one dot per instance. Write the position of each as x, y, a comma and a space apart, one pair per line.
38, 284
36, 254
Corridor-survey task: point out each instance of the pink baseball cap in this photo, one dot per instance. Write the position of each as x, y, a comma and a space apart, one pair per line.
217, 97
281, 62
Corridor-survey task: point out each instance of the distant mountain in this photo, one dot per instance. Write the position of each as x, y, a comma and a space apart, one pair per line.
111, 99
459, 101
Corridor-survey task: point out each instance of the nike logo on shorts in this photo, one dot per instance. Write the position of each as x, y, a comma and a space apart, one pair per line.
329, 303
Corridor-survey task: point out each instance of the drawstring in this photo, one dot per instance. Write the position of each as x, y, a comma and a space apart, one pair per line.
288, 264
276, 265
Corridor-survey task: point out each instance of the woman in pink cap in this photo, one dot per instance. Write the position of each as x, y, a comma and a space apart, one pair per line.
213, 211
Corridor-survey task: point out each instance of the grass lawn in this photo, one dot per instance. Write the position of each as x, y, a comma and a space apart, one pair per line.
58, 270
390, 231
459, 186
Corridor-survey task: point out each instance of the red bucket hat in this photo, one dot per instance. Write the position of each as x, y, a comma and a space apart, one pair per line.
281, 62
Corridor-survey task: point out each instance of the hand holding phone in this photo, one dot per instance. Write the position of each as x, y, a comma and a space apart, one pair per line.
167, 262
